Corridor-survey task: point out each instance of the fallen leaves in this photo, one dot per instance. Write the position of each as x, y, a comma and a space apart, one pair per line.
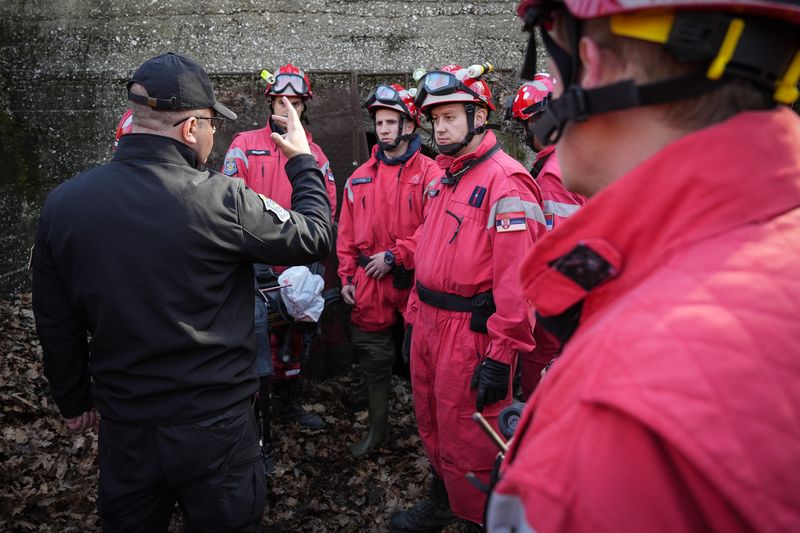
49, 475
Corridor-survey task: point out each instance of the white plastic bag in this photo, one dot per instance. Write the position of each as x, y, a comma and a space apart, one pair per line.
301, 292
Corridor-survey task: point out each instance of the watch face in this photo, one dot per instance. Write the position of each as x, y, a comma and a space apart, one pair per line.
388, 258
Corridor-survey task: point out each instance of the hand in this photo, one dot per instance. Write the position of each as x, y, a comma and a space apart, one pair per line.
405, 349
377, 267
349, 294
295, 141
84, 421
491, 379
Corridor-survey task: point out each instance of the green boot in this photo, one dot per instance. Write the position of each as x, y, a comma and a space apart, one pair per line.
378, 420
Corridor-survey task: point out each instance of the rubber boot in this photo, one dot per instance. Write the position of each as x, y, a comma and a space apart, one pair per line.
265, 409
430, 515
378, 408
286, 404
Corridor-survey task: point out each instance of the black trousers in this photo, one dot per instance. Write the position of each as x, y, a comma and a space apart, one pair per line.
212, 469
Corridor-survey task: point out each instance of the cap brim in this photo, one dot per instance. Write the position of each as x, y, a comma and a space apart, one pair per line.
224, 111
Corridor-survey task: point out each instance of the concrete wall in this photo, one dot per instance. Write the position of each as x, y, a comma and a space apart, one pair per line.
63, 64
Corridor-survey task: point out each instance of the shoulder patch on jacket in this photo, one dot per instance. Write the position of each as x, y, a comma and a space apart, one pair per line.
360, 181
231, 168
326, 169
514, 221
476, 198
274, 207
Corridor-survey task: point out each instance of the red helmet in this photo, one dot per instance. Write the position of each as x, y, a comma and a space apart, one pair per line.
588, 9
533, 96
452, 83
395, 97
728, 39
124, 127
289, 81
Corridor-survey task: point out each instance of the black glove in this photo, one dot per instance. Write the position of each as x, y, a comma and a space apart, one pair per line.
405, 349
491, 379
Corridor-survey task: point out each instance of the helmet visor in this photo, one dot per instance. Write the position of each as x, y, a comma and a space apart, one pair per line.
293, 82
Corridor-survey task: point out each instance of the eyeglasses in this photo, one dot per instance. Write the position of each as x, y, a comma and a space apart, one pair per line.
216, 122
284, 82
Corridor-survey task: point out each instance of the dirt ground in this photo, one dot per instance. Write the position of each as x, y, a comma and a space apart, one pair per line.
49, 475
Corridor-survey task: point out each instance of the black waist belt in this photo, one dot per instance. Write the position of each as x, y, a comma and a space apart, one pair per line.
363, 260
454, 302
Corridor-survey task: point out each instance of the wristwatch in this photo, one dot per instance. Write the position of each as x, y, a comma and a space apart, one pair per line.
388, 258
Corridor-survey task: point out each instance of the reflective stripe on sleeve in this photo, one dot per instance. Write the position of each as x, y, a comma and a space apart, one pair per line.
507, 514
237, 153
560, 209
431, 184
349, 190
514, 204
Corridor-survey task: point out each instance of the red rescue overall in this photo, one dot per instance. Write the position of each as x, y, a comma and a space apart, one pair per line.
254, 157
674, 406
558, 204
474, 236
381, 209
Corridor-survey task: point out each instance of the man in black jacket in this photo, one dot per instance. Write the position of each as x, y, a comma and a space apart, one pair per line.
143, 296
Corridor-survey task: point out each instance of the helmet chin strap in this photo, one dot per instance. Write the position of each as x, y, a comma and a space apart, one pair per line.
757, 60
400, 136
454, 148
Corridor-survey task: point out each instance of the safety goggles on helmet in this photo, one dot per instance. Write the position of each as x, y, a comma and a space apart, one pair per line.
439, 83
293, 82
386, 95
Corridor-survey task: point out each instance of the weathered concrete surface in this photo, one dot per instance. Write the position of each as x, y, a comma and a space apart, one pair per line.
231, 36
63, 65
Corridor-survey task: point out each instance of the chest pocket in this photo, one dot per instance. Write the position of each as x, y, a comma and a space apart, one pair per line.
468, 221
361, 190
262, 160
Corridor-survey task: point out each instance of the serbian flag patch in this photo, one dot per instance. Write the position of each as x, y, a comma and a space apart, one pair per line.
510, 221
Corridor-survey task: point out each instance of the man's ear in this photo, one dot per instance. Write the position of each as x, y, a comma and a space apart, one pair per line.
408, 127
480, 116
187, 131
599, 66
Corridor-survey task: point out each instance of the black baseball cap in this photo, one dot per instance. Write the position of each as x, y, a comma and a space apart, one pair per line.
174, 82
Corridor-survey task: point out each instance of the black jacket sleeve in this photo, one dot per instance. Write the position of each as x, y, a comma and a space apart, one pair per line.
289, 237
63, 334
